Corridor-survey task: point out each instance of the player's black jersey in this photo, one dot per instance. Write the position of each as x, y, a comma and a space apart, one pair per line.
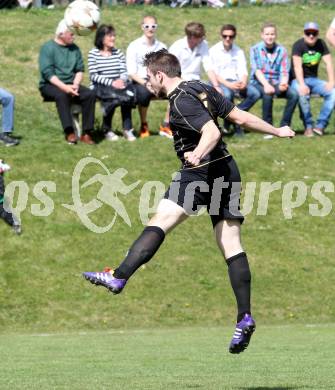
192, 105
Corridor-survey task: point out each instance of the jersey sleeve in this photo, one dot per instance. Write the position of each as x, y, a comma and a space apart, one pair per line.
221, 105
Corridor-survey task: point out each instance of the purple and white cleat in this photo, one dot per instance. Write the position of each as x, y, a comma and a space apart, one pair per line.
243, 332
106, 279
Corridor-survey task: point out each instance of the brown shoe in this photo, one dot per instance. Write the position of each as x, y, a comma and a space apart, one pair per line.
86, 139
71, 139
308, 133
318, 131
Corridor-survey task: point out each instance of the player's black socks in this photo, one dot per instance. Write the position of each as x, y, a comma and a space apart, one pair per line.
240, 279
142, 250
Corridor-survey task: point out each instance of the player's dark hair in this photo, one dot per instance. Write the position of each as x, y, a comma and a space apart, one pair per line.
162, 61
102, 31
229, 27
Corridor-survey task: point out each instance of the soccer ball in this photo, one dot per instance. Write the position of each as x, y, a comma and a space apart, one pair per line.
232, 3
82, 17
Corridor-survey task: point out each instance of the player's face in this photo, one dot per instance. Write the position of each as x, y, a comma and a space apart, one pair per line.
269, 36
67, 37
109, 41
156, 83
228, 37
194, 41
149, 27
310, 37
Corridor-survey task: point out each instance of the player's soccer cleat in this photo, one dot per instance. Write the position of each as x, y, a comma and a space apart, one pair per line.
106, 279
243, 332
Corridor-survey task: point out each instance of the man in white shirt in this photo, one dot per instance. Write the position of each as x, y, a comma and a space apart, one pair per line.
331, 33
230, 68
192, 52
137, 72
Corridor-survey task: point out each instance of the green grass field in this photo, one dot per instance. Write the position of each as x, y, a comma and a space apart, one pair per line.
171, 326
278, 358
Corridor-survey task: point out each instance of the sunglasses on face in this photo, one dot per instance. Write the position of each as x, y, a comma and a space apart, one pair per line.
224, 36
311, 33
150, 26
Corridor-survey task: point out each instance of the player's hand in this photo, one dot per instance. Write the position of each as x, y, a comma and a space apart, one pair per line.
242, 85
329, 86
303, 90
118, 84
283, 87
76, 87
192, 158
269, 89
71, 90
285, 131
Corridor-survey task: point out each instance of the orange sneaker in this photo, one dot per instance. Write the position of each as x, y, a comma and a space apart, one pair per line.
165, 131
144, 131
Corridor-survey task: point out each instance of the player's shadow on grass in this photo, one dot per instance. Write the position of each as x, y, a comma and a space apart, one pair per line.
273, 387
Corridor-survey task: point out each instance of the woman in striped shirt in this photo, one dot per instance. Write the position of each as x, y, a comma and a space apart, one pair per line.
107, 67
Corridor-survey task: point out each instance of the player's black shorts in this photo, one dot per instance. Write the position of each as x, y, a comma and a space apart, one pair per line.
216, 185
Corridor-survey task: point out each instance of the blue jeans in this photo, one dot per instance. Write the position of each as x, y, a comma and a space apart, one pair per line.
250, 95
291, 97
316, 86
7, 101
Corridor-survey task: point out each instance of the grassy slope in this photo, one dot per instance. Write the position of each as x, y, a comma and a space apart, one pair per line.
40, 282
278, 358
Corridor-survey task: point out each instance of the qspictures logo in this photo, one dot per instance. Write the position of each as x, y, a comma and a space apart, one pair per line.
113, 188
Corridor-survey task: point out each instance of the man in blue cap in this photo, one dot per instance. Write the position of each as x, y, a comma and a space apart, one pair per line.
307, 53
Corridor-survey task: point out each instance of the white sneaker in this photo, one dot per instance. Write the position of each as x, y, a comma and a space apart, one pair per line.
183, 3
215, 3
4, 167
111, 136
129, 135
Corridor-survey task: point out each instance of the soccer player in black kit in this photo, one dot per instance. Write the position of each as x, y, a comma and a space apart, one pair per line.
209, 177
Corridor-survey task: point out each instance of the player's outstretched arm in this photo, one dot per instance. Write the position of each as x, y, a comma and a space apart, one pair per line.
252, 122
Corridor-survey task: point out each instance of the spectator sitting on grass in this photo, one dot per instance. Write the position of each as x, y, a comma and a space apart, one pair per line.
136, 52
270, 74
61, 67
192, 53
108, 70
230, 68
307, 53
